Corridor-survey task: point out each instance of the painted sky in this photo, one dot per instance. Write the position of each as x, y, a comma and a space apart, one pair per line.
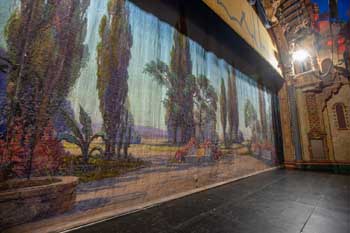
152, 39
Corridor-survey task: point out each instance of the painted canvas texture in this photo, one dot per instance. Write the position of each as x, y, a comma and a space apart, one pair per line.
137, 111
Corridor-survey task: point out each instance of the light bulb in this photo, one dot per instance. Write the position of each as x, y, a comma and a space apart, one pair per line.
300, 55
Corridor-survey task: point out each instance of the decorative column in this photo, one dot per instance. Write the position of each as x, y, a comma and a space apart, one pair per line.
294, 122
287, 111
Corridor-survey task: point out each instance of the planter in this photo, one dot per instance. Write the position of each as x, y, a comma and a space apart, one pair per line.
23, 201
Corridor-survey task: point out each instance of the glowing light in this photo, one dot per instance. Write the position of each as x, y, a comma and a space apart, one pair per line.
300, 55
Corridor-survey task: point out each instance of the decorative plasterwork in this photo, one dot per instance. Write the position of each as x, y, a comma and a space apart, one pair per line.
346, 116
315, 134
313, 113
329, 92
271, 7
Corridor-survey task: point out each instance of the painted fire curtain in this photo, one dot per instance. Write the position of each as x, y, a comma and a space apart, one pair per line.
104, 84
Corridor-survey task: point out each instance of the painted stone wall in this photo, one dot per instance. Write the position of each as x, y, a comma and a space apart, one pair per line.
107, 92
319, 120
340, 137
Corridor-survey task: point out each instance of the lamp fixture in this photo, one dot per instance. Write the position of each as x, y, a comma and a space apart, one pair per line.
300, 55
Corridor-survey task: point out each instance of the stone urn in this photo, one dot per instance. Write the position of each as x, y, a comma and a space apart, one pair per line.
23, 200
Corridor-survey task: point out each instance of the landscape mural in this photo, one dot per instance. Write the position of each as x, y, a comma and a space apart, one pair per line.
106, 92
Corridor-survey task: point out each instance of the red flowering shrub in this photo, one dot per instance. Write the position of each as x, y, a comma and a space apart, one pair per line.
183, 151
214, 149
216, 152
14, 154
48, 154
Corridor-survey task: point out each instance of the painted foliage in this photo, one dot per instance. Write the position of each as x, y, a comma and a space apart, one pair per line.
99, 89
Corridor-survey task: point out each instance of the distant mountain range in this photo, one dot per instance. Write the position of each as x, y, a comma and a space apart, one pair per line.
143, 131
150, 132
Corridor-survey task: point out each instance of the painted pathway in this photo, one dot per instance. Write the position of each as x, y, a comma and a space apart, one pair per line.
147, 185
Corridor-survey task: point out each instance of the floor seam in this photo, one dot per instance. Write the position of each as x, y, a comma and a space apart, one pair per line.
312, 212
223, 205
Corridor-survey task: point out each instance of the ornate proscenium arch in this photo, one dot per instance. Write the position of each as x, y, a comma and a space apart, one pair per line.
244, 21
241, 22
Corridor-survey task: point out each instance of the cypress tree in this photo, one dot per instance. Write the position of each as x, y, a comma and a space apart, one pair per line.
113, 56
181, 66
45, 41
233, 120
223, 110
